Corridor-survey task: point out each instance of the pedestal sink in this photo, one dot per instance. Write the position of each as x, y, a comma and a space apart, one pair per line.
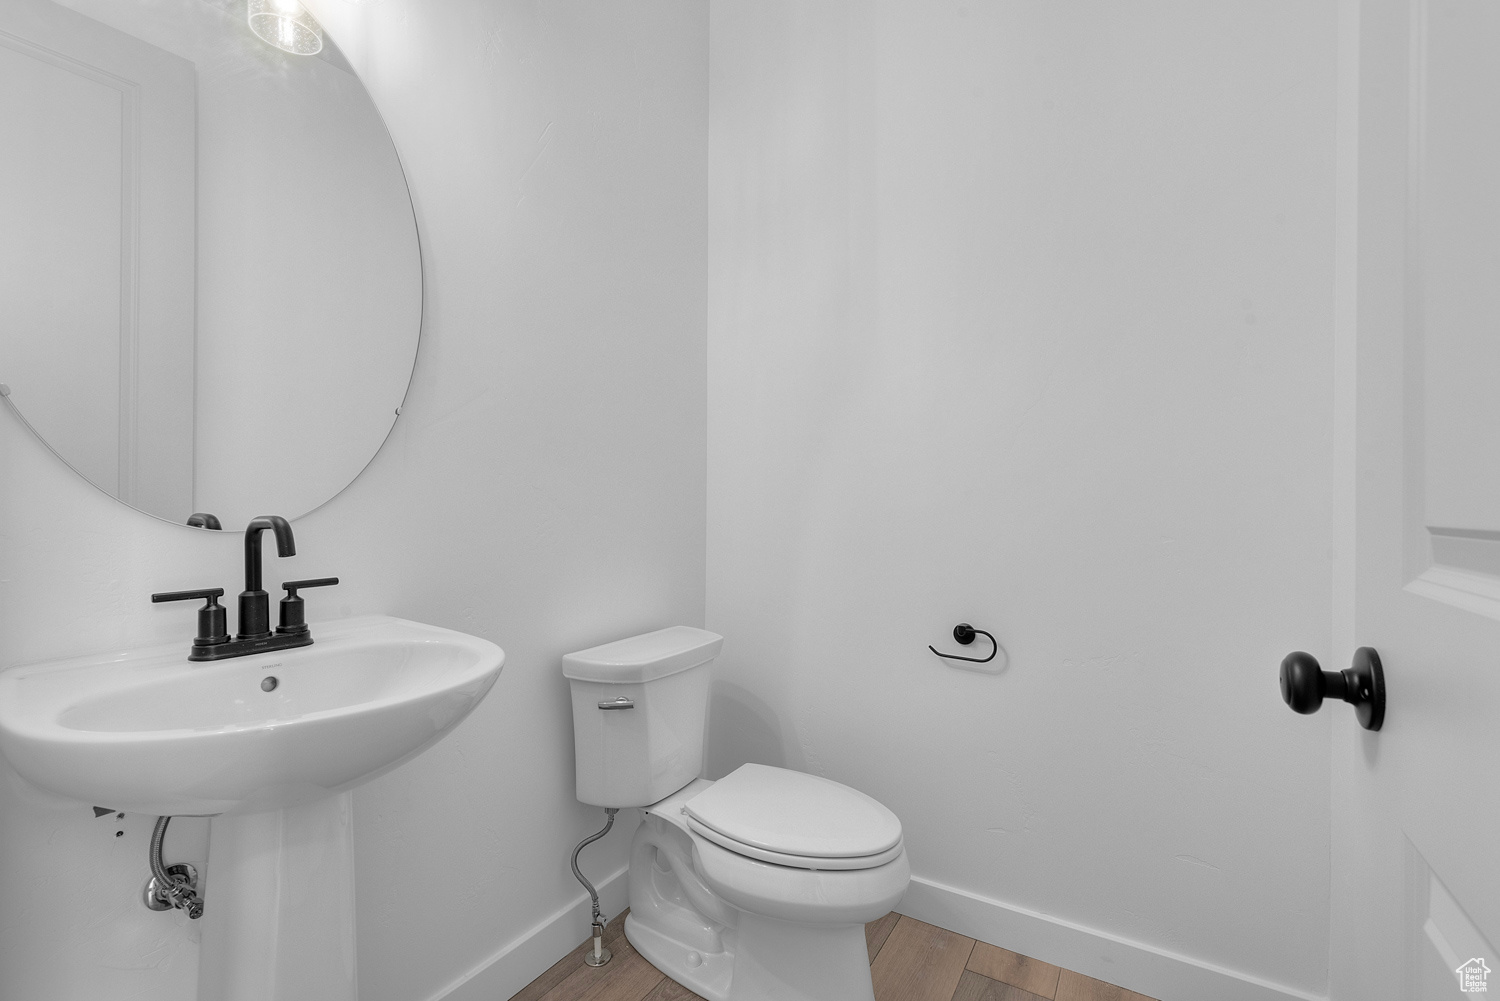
268, 745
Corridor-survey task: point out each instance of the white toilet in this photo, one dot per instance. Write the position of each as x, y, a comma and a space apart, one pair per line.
752, 888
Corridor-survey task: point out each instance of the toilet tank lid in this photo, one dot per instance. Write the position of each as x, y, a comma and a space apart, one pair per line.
645, 657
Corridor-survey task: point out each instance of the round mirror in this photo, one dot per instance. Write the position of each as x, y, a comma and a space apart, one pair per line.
210, 282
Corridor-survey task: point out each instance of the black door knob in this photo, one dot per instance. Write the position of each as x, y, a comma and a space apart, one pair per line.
1304, 685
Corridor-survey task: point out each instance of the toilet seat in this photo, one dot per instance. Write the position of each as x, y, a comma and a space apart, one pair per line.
794, 819
796, 861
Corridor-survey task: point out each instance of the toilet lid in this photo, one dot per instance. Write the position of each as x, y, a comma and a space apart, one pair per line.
793, 814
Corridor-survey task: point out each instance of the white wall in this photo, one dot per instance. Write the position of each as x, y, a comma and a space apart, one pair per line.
1020, 315
544, 489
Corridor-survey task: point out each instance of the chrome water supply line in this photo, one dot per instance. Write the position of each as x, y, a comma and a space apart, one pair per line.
174, 886
598, 955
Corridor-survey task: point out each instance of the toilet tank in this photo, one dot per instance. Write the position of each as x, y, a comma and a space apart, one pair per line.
648, 742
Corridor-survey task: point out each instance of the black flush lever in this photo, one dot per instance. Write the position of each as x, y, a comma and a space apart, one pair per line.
965, 633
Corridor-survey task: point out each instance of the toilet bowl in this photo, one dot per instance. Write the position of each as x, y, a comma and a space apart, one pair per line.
756, 887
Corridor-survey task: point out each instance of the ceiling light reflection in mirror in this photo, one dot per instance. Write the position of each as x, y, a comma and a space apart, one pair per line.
287, 25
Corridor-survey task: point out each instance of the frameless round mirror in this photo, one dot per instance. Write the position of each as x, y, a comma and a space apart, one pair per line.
210, 282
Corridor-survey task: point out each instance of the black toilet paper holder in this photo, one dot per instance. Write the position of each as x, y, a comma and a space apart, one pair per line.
965, 633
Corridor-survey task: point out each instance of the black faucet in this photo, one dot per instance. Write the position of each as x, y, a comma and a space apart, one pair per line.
255, 636
255, 604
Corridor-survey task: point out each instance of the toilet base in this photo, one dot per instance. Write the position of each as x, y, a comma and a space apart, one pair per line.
705, 974
768, 960
797, 962
724, 953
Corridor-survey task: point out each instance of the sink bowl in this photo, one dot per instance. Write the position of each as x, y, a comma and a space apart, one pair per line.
151, 732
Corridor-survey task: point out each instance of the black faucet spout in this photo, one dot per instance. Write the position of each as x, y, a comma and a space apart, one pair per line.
255, 604
285, 545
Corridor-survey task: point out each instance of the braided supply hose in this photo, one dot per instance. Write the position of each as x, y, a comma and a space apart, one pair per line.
599, 955
174, 890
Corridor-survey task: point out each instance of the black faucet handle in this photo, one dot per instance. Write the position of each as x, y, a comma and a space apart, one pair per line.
293, 611
213, 594
292, 586
213, 621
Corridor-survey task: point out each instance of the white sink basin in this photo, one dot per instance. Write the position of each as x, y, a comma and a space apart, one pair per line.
151, 732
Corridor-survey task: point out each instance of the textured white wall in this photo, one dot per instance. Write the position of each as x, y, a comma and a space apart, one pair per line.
1019, 314
544, 489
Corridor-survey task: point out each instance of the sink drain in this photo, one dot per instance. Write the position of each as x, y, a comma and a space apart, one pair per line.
268, 684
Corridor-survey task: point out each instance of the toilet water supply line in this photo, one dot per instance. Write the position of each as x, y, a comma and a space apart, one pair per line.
599, 955
174, 890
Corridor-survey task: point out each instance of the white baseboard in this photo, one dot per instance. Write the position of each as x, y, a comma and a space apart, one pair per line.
519, 962
1153, 972
1146, 969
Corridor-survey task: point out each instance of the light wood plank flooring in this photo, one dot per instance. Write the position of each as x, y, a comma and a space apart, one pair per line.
909, 961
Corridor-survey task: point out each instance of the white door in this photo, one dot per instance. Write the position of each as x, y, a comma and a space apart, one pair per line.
1416, 806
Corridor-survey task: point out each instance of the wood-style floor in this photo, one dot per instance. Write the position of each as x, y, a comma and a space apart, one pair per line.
909, 961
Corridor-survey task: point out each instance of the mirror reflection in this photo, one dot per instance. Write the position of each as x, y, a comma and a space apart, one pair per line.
210, 282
